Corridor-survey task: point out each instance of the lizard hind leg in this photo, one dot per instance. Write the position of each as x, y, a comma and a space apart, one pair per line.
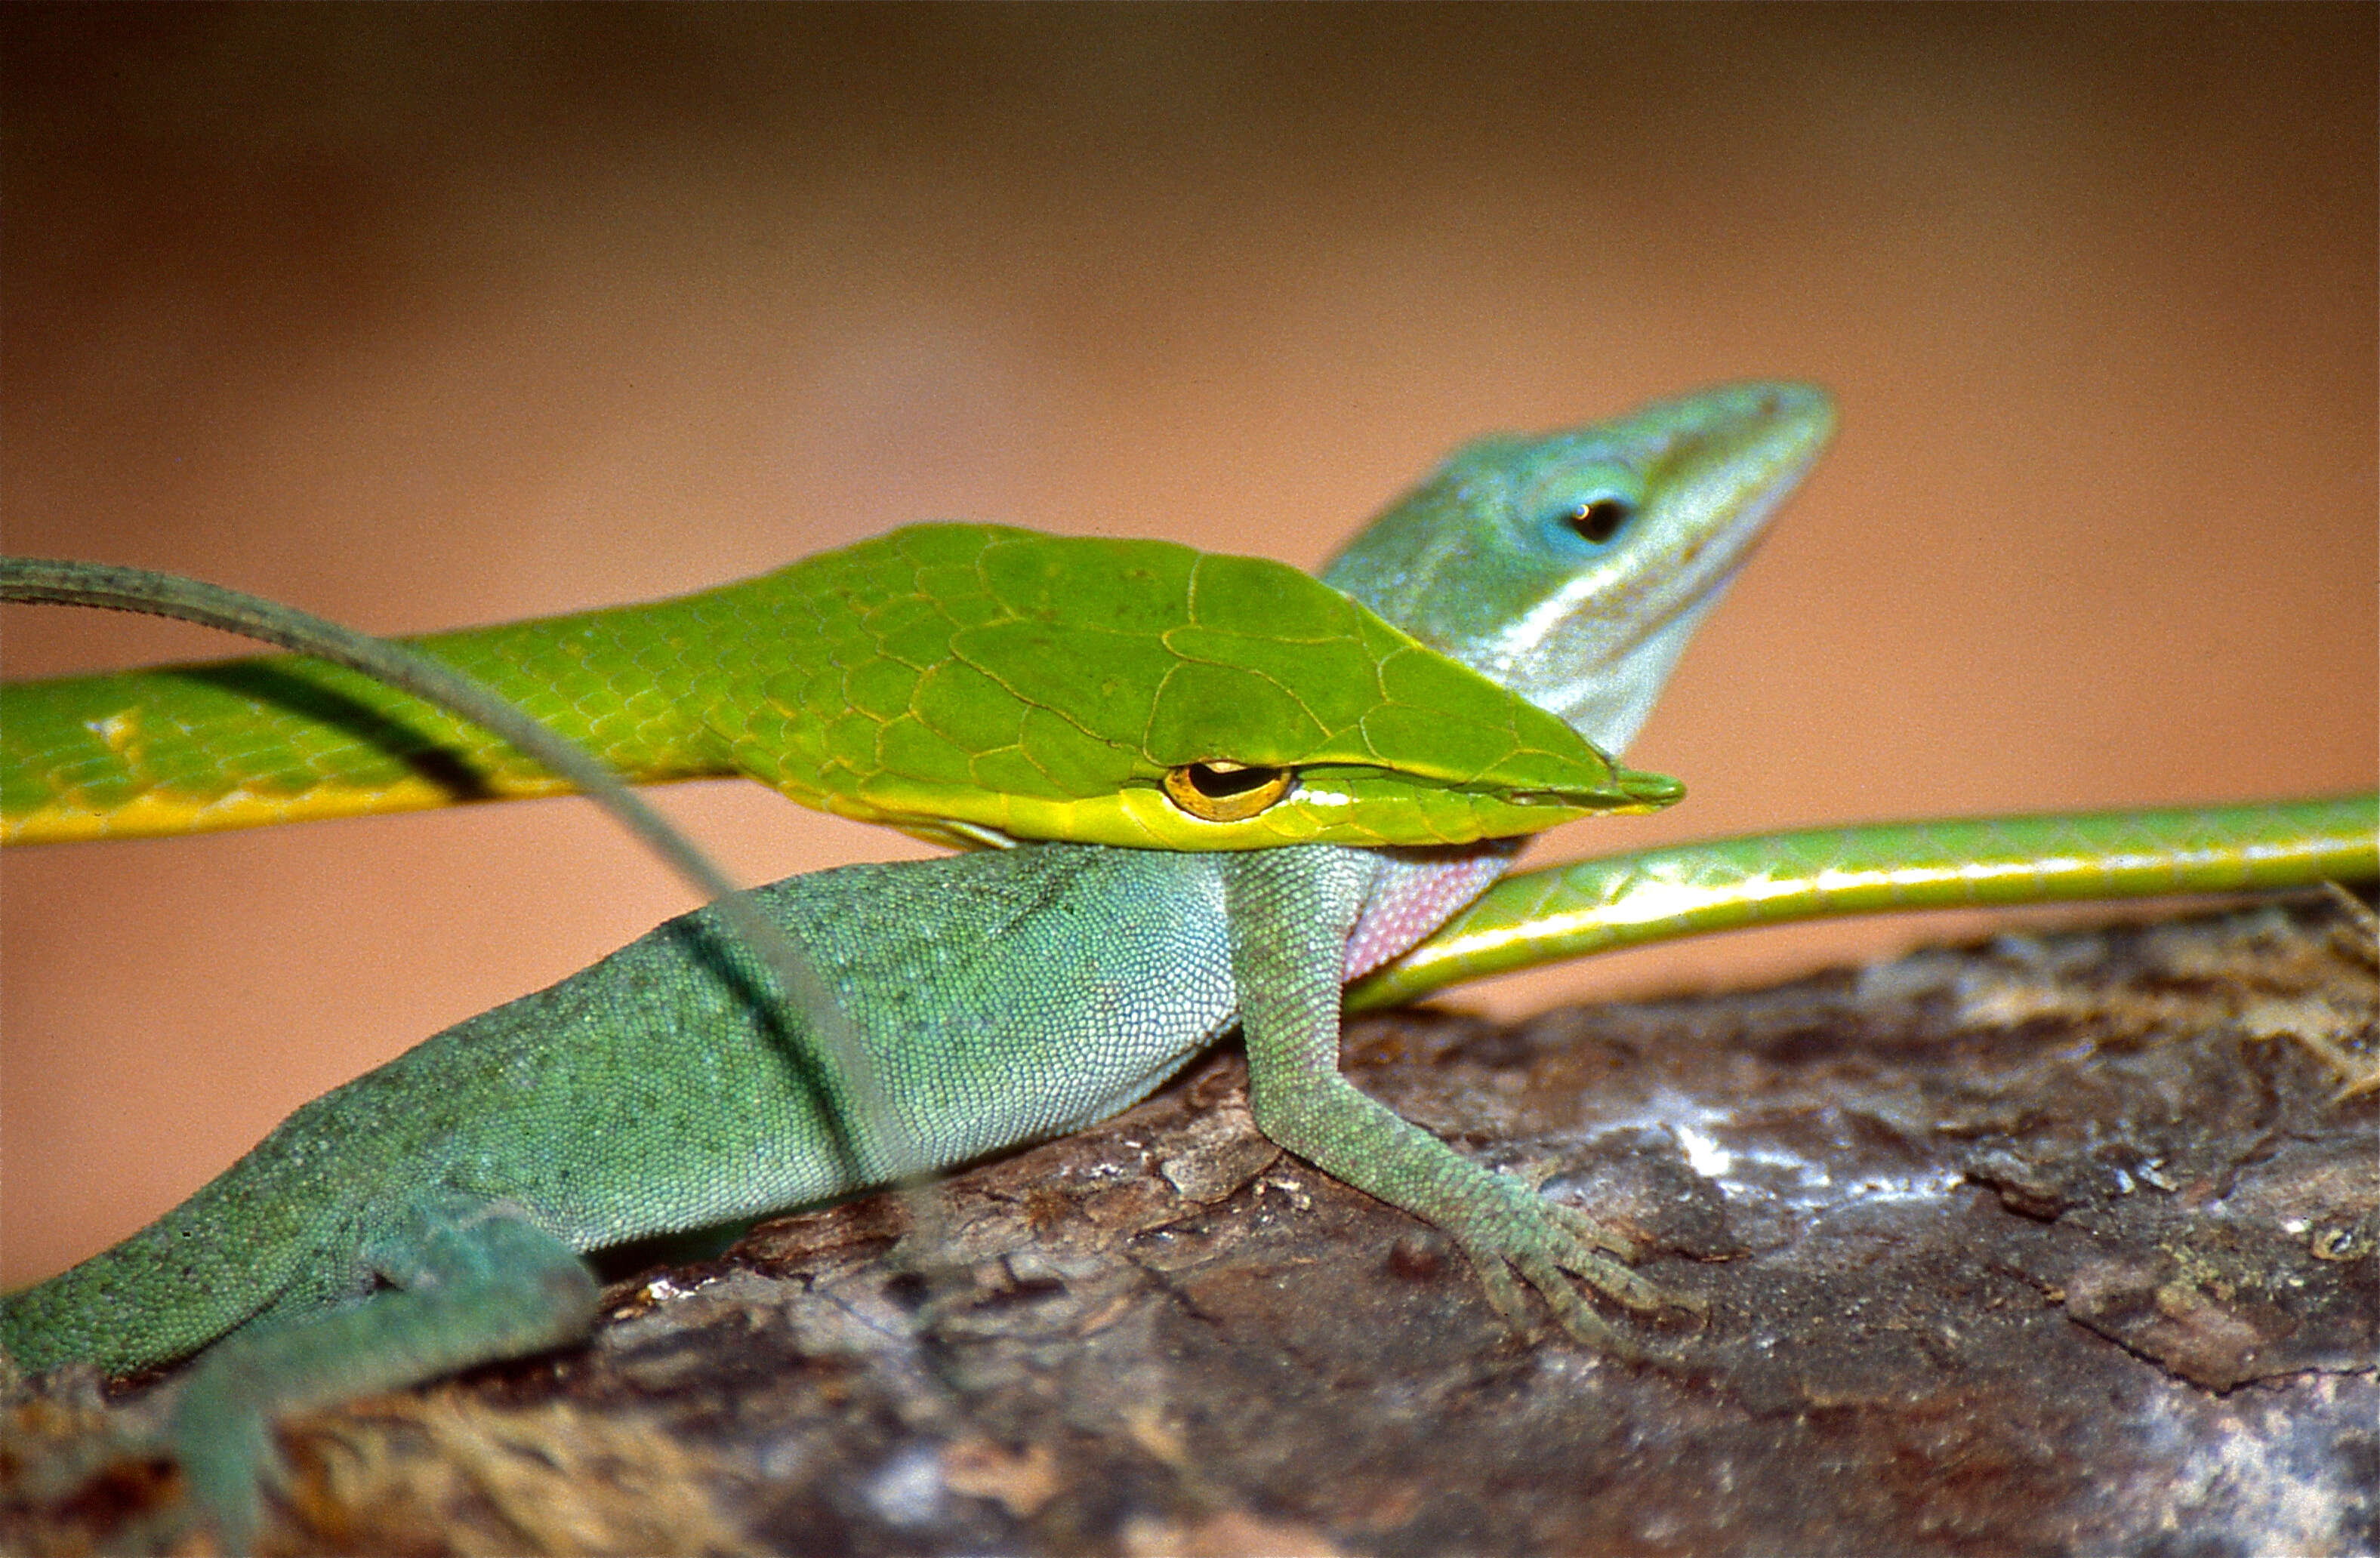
468, 1282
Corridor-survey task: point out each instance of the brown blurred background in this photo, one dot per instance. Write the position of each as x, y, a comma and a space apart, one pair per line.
427, 317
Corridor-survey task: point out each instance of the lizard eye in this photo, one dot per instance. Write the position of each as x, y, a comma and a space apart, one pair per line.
1596, 521
1224, 791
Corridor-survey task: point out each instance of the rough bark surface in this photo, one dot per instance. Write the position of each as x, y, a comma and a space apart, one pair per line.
2058, 1245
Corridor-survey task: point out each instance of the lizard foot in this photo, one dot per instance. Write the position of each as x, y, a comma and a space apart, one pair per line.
1542, 1243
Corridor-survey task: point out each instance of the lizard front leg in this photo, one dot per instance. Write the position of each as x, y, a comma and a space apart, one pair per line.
1291, 912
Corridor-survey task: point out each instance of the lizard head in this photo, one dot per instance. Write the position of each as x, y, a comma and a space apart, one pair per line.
1573, 568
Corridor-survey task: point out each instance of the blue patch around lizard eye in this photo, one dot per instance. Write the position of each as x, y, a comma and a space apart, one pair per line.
1588, 521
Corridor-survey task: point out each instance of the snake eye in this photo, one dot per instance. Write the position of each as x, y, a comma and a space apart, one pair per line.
1222, 792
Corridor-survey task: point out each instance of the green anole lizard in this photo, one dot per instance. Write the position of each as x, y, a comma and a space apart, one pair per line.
1000, 997
1196, 947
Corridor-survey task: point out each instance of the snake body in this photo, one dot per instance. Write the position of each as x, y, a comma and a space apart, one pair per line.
969, 683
